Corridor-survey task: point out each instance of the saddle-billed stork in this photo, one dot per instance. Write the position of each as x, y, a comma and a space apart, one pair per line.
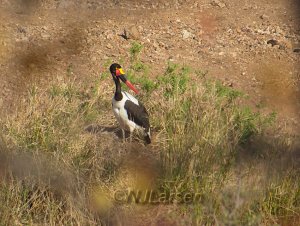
130, 113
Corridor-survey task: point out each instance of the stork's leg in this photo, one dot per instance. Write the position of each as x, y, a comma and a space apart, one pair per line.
131, 134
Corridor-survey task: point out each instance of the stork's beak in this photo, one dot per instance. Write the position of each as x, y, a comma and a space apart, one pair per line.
120, 73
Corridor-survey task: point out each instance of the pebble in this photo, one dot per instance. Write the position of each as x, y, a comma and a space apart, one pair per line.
234, 54
64, 4
156, 46
109, 46
109, 36
45, 35
186, 34
273, 42
133, 33
218, 3
22, 30
288, 44
296, 47
296, 50
263, 17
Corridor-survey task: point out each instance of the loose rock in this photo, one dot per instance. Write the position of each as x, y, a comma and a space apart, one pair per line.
186, 34
109, 46
131, 33
296, 50
218, 3
273, 42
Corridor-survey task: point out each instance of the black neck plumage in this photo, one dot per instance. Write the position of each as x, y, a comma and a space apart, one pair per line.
118, 93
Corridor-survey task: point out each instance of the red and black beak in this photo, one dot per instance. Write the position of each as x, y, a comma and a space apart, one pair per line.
120, 73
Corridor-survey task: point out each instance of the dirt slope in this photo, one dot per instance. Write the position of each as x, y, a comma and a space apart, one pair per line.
249, 45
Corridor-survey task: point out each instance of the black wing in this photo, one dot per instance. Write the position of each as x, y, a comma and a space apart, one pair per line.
137, 114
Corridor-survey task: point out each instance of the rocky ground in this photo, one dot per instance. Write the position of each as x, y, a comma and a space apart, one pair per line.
249, 45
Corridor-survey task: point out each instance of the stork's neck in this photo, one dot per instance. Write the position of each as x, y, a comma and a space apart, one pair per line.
118, 93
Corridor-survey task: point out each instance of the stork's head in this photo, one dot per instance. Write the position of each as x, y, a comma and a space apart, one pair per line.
118, 73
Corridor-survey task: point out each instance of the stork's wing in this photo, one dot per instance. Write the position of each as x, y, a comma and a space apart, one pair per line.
138, 114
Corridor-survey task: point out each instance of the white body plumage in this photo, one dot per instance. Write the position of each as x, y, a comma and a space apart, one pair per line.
121, 113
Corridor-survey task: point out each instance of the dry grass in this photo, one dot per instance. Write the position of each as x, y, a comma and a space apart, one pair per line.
62, 160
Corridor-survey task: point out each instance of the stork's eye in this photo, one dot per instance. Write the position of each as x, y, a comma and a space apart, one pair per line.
119, 71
